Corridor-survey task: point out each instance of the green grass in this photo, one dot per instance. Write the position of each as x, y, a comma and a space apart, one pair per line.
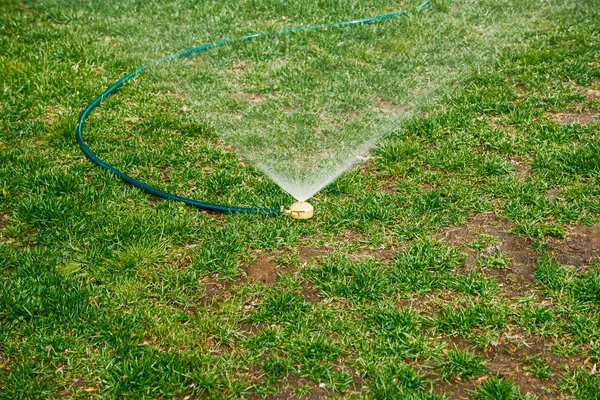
393, 290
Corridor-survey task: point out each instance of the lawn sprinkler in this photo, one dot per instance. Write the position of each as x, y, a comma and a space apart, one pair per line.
300, 210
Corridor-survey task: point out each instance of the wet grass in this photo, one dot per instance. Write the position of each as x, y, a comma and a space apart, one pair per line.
461, 260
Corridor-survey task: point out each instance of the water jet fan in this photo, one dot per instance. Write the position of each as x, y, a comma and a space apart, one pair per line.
303, 108
332, 159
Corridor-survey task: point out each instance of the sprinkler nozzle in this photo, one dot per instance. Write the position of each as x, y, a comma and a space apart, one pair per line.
300, 210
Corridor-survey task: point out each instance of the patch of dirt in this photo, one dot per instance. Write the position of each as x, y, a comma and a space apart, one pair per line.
572, 117
508, 358
253, 97
188, 309
3, 218
52, 112
316, 391
306, 253
428, 304
291, 109
181, 256
521, 167
239, 68
382, 104
264, 268
378, 252
291, 383
517, 278
310, 293
501, 123
80, 383
387, 187
250, 328
457, 388
580, 247
552, 193
592, 94
216, 288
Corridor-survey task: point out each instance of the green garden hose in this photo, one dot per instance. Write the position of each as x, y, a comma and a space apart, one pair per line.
195, 203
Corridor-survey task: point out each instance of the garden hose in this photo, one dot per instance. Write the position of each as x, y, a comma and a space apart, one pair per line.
195, 203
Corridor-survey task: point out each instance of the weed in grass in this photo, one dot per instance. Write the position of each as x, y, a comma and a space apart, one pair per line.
495, 388
495, 260
536, 366
396, 379
277, 366
537, 318
483, 241
460, 363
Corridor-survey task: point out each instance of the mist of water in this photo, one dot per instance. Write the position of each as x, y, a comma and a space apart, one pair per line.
305, 108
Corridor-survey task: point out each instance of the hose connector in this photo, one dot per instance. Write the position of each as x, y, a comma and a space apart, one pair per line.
300, 210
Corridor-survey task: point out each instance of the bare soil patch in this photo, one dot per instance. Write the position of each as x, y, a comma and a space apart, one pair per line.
3, 218
522, 168
316, 392
457, 388
239, 68
517, 278
310, 293
507, 358
181, 256
387, 187
552, 193
306, 253
591, 92
76, 384
382, 252
572, 117
580, 247
52, 113
253, 97
502, 123
387, 107
216, 288
264, 268
290, 388
506, 361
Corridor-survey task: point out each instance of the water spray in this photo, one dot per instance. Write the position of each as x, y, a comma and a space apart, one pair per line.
300, 210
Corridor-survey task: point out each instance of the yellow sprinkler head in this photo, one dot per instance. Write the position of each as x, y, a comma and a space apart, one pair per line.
300, 210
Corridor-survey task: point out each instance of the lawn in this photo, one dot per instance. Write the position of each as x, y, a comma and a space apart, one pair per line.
461, 259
